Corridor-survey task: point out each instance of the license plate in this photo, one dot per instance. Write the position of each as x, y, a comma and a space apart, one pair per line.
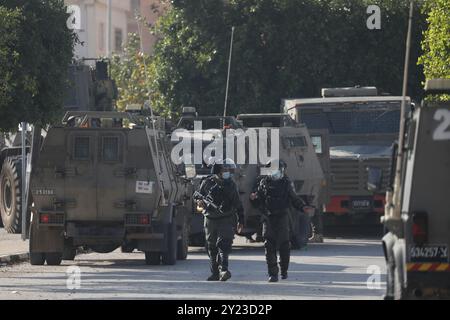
361, 204
429, 253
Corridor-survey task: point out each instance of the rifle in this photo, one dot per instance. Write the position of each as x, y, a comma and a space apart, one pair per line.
208, 201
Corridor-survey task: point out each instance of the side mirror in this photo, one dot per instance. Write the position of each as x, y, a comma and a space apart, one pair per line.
190, 171
374, 178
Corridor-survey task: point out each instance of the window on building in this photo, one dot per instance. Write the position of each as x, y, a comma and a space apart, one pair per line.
118, 36
101, 36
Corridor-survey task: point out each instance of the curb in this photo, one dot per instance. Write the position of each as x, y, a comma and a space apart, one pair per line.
14, 258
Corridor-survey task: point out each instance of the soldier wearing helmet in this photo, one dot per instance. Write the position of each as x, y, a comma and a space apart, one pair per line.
219, 200
273, 194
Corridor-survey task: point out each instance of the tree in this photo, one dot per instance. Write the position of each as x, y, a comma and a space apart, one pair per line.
282, 49
35, 50
132, 72
436, 41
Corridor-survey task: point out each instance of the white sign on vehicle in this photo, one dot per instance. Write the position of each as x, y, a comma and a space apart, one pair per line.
144, 187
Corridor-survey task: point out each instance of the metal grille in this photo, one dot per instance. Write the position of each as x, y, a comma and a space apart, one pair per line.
81, 148
54, 218
110, 149
350, 175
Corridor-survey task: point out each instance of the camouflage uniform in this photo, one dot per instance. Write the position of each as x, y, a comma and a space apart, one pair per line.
274, 197
220, 224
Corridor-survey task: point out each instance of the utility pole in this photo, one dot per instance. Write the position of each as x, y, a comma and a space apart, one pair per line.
108, 28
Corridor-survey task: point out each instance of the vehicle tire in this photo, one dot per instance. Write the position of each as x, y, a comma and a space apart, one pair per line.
105, 248
69, 253
127, 249
183, 243
37, 258
53, 258
197, 240
169, 257
152, 258
11, 194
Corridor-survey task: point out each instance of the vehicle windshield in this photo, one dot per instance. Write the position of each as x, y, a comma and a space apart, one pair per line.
353, 120
210, 123
265, 121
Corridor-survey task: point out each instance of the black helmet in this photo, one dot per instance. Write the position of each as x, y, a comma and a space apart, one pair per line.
219, 165
282, 165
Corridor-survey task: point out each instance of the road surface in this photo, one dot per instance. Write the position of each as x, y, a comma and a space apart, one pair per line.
336, 269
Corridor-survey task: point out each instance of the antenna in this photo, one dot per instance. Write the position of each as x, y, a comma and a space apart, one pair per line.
228, 76
395, 213
151, 109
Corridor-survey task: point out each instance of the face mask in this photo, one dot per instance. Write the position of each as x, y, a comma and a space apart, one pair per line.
277, 175
226, 175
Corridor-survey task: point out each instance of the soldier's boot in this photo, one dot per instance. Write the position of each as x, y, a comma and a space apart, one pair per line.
271, 259
224, 253
285, 256
225, 274
213, 265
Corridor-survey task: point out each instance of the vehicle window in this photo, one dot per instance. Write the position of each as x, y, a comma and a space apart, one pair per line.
110, 149
354, 121
81, 148
317, 143
292, 142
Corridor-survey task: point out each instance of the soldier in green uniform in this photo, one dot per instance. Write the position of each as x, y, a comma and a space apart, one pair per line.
219, 200
273, 195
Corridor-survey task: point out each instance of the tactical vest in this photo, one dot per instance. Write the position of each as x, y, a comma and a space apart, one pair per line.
275, 195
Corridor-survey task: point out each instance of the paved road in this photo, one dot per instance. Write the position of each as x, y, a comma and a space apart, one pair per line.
11, 244
336, 269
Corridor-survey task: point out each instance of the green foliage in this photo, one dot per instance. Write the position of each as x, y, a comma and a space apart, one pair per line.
282, 49
35, 49
436, 42
128, 70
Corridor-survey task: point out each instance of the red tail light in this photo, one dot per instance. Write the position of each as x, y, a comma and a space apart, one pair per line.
144, 219
45, 218
420, 227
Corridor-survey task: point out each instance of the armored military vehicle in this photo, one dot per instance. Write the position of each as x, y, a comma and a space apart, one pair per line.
417, 203
297, 149
201, 130
105, 180
362, 126
90, 89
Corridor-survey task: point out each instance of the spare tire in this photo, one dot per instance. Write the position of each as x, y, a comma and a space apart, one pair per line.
11, 194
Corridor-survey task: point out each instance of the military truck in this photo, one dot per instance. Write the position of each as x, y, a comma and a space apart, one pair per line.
105, 180
90, 89
417, 203
362, 126
297, 149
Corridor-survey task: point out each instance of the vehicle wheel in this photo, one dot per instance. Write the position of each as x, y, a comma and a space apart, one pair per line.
37, 258
152, 258
169, 257
69, 253
197, 240
104, 248
53, 258
11, 195
127, 249
183, 243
